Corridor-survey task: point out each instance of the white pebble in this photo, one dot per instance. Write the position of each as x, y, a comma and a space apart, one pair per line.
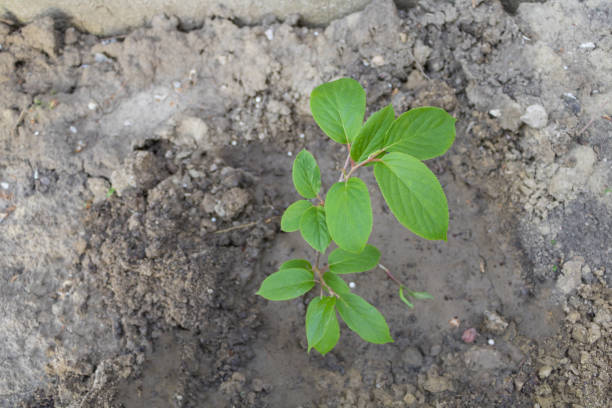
73, 129
301, 135
352, 285
99, 57
176, 84
316, 33
210, 291
289, 154
491, 342
496, 113
269, 34
587, 45
4, 185
127, 123
92, 106
213, 219
36, 174
378, 60
36, 133
535, 117
234, 143
258, 99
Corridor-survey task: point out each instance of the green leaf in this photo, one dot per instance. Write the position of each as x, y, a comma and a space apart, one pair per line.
424, 133
322, 328
293, 214
349, 214
363, 318
336, 283
401, 295
296, 263
372, 136
413, 194
306, 175
314, 228
338, 108
420, 295
286, 284
341, 261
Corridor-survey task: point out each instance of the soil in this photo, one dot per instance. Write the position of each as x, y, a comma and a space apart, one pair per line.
143, 178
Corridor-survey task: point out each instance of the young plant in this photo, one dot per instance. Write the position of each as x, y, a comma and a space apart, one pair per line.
395, 147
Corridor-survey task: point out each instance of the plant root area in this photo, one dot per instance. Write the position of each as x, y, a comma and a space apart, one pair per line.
142, 179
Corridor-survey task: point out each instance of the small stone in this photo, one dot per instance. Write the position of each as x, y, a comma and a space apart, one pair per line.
511, 116
491, 342
585, 357
269, 34
544, 372
435, 384
421, 52
496, 113
378, 60
141, 170
603, 317
571, 276
409, 399
99, 188
587, 45
352, 285
469, 335
4, 185
535, 116
518, 384
92, 106
494, 322
573, 317
232, 203
594, 333
580, 333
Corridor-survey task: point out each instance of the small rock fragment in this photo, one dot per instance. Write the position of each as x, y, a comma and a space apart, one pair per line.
378, 60
99, 188
412, 357
594, 333
232, 203
469, 335
269, 34
494, 322
535, 116
571, 276
545, 371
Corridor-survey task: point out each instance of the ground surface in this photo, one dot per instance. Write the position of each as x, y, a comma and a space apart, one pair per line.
146, 295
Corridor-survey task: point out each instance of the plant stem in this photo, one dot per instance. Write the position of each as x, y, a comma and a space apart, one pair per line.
363, 163
323, 283
346, 162
389, 274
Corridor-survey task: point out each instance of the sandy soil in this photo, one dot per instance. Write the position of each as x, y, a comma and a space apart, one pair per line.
145, 297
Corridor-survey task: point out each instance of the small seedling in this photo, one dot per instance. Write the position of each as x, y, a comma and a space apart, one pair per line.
110, 192
395, 148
